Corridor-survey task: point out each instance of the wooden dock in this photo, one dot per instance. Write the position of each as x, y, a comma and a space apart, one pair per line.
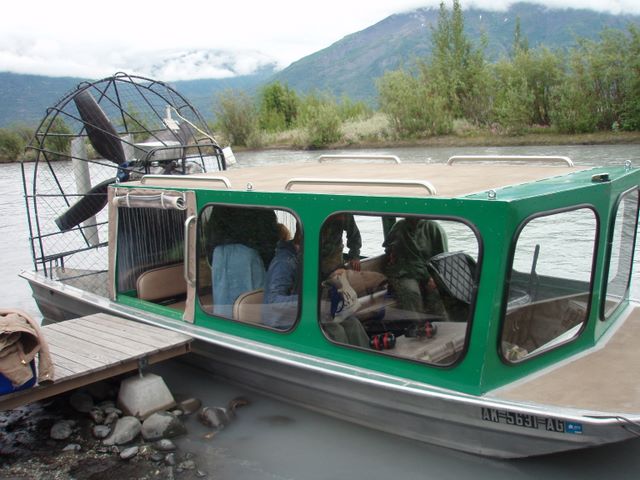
89, 349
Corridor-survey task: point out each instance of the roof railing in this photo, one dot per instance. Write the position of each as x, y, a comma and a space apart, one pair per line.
512, 158
428, 186
168, 180
391, 158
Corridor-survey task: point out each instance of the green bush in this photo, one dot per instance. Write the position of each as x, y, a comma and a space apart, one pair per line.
11, 145
413, 108
236, 117
323, 126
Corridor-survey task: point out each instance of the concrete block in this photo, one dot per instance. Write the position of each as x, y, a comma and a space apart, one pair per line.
142, 396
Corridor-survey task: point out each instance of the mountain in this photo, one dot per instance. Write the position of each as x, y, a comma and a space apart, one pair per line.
24, 99
351, 65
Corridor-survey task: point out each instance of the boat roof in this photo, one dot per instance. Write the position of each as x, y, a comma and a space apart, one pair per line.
406, 179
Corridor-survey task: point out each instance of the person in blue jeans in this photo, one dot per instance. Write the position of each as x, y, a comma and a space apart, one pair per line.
282, 291
281, 286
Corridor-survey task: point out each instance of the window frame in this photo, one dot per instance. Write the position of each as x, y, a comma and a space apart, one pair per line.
472, 307
509, 272
607, 264
198, 287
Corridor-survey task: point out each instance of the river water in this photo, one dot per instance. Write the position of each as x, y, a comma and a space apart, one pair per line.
274, 440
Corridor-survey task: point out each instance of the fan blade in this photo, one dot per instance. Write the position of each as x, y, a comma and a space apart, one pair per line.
100, 131
86, 207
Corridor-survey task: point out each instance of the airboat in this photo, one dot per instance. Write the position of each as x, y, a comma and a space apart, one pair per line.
528, 343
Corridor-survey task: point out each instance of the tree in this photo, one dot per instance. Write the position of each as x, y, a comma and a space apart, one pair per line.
278, 107
235, 116
457, 69
11, 145
412, 104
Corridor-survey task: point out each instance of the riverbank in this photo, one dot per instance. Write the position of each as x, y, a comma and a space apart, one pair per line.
374, 132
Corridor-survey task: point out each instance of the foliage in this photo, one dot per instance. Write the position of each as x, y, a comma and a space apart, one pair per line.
320, 118
11, 145
278, 107
601, 89
236, 117
57, 143
457, 68
413, 107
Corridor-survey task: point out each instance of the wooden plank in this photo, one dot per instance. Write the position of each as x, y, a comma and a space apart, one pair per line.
133, 326
96, 347
10, 401
89, 336
129, 332
92, 353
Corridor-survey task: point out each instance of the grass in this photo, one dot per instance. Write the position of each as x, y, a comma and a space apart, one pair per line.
375, 132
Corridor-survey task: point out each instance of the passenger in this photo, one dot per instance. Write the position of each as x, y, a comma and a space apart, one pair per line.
332, 247
409, 245
282, 289
242, 241
256, 228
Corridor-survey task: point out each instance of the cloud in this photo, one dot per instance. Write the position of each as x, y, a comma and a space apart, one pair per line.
67, 38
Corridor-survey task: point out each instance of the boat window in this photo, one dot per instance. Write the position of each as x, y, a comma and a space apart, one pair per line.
621, 257
550, 283
249, 265
404, 286
149, 239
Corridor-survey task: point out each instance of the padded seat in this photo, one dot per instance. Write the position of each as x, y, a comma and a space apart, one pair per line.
248, 306
454, 274
161, 283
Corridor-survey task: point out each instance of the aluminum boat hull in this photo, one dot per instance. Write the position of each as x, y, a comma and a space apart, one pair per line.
474, 424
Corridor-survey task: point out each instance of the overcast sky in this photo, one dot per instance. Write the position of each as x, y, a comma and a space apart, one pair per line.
95, 39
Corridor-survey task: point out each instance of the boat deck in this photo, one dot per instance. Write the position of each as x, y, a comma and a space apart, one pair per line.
604, 380
447, 180
89, 349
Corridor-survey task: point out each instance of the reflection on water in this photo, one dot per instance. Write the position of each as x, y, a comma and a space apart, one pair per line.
273, 440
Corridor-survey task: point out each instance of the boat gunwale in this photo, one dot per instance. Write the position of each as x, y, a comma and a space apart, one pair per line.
339, 369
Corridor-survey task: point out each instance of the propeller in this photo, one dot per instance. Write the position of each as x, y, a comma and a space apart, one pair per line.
106, 142
86, 207
102, 135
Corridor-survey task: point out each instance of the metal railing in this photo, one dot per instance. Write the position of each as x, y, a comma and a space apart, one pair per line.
512, 158
391, 158
428, 186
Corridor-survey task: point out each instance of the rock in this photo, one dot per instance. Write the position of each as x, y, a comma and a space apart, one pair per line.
129, 453
157, 456
101, 431
170, 459
201, 474
72, 447
187, 465
111, 418
97, 415
62, 430
142, 396
162, 425
190, 405
112, 410
215, 417
81, 401
125, 430
164, 445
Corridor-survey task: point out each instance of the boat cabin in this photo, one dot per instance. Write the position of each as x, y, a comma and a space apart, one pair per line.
465, 276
